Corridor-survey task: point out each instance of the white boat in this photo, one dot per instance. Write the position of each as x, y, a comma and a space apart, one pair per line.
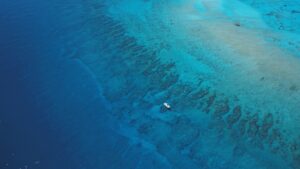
166, 105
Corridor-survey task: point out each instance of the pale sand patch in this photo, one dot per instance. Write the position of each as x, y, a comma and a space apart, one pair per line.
261, 73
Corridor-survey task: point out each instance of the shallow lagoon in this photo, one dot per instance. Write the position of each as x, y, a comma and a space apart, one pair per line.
229, 69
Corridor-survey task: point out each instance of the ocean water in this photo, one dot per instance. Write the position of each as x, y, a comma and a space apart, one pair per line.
83, 84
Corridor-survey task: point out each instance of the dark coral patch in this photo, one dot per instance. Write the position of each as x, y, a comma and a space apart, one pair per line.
242, 126
199, 94
293, 88
253, 126
183, 133
237, 24
296, 161
266, 125
221, 109
238, 151
209, 103
169, 80
275, 135
234, 117
144, 128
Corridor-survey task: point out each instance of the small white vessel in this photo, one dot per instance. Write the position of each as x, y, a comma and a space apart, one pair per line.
167, 105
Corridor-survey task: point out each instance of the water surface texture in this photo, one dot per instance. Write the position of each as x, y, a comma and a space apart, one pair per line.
84, 82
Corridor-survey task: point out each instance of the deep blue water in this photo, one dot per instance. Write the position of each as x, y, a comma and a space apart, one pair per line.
52, 111
50, 105
83, 82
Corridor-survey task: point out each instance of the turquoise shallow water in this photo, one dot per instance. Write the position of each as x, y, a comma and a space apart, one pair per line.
98, 72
